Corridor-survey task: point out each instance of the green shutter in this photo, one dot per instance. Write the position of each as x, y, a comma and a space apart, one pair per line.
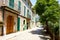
24, 10
18, 24
19, 5
11, 3
27, 11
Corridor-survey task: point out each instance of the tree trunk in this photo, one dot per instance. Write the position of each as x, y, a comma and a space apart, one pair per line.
49, 31
47, 27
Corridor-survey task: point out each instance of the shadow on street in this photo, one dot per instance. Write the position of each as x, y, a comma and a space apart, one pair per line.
43, 35
38, 32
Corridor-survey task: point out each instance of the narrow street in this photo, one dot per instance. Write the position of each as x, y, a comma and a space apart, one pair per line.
33, 34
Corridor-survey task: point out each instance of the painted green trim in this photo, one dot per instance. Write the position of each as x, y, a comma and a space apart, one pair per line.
19, 5
11, 3
27, 11
24, 10
18, 24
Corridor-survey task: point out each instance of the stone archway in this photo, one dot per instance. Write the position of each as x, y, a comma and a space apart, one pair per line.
10, 24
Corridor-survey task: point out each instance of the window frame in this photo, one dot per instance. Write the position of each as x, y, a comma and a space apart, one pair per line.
19, 5
24, 10
11, 3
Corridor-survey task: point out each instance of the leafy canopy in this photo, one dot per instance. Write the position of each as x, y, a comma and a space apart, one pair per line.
48, 10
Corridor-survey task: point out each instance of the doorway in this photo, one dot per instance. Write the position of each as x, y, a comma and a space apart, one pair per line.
10, 24
28, 24
18, 24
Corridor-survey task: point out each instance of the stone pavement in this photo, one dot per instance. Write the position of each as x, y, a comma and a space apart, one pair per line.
32, 34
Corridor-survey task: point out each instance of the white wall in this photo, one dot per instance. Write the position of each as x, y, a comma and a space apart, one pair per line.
22, 8
22, 12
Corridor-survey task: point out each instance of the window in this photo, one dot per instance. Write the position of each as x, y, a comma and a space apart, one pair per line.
19, 5
23, 0
30, 6
24, 10
24, 22
11, 3
28, 14
27, 11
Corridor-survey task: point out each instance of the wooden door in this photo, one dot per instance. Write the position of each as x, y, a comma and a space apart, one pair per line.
10, 24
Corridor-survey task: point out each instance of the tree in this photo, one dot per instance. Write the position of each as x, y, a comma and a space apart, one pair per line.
48, 10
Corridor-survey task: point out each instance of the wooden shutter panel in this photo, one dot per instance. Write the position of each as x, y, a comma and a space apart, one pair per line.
24, 10
18, 24
19, 5
11, 3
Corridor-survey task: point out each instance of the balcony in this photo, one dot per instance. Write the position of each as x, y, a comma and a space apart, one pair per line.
6, 3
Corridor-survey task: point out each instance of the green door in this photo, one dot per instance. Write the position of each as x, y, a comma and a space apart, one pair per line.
18, 24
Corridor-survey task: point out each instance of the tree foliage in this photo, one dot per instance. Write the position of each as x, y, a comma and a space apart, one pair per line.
49, 12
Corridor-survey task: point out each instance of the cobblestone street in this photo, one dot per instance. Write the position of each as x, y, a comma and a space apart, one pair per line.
33, 34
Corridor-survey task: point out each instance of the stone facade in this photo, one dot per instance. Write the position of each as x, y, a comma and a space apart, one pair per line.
25, 16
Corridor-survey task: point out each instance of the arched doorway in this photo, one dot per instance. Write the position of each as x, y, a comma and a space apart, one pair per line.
10, 24
28, 24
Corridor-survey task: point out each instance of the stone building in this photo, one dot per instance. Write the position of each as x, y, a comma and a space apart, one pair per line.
15, 15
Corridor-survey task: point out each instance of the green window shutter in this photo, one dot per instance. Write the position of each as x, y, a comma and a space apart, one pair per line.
24, 10
27, 13
18, 24
11, 3
23, 0
19, 5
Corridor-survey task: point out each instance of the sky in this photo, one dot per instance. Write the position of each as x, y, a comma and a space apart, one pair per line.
59, 1
34, 1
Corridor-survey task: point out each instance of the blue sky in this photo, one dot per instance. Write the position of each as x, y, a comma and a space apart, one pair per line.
34, 1
59, 1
